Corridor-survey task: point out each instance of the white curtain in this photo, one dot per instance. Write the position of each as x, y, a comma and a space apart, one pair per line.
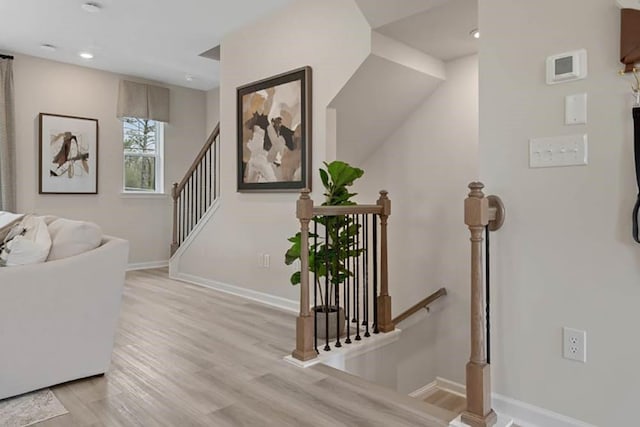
7, 138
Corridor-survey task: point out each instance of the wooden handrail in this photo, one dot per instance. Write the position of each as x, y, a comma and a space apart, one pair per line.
347, 210
419, 306
196, 162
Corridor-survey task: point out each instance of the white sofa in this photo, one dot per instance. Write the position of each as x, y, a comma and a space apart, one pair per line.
58, 318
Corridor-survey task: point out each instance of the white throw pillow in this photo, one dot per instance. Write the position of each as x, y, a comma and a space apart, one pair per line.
71, 238
30, 248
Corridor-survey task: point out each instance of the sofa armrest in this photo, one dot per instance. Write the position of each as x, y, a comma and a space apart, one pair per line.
58, 319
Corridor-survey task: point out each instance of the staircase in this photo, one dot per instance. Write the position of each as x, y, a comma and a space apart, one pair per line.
197, 191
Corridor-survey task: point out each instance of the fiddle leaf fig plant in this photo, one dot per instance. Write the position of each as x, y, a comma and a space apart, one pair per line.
331, 249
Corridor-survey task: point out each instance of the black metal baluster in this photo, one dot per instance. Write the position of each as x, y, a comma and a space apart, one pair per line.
374, 219
182, 221
357, 270
202, 186
195, 196
336, 272
348, 283
193, 211
187, 203
178, 223
487, 292
353, 269
182, 226
366, 277
315, 286
210, 174
196, 188
326, 307
199, 189
216, 169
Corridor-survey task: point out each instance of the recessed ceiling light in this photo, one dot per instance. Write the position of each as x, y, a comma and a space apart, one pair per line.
91, 7
86, 55
188, 78
475, 33
48, 47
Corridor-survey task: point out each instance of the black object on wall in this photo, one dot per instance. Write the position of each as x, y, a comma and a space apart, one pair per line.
636, 145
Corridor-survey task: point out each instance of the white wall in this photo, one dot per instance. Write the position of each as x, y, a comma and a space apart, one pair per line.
213, 109
426, 165
565, 256
407, 364
53, 87
333, 38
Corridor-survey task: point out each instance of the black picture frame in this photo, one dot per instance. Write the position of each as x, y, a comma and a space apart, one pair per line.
274, 133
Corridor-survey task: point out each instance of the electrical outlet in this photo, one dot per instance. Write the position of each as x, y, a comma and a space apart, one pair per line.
267, 261
574, 344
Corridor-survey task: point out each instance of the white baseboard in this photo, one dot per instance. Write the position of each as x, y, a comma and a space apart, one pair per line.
271, 300
527, 415
523, 414
146, 265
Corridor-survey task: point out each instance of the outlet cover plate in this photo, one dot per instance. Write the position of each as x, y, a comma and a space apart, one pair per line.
574, 344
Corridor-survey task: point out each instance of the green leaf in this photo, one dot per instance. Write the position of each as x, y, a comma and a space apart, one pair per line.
295, 278
295, 238
343, 174
292, 255
325, 178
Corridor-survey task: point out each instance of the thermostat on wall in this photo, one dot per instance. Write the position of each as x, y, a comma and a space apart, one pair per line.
567, 67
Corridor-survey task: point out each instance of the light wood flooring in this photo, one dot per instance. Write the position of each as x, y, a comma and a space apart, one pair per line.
446, 400
190, 356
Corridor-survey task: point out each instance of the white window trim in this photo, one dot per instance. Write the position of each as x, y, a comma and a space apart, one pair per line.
143, 195
159, 156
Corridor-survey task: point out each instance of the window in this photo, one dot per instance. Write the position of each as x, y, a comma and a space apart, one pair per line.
143, 149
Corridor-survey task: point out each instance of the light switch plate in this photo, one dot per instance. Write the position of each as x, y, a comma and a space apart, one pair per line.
570, 150
575, 109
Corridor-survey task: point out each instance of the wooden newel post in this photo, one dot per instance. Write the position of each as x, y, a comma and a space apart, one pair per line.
478, 412
304, 323
174, 242
385, 324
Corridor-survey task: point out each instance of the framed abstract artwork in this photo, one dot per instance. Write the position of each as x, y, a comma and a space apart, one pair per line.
274, 133
68, 154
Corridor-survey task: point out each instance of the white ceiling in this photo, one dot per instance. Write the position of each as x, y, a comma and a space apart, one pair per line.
155, 39
441, 31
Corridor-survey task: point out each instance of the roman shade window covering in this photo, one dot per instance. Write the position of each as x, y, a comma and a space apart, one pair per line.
143, 101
